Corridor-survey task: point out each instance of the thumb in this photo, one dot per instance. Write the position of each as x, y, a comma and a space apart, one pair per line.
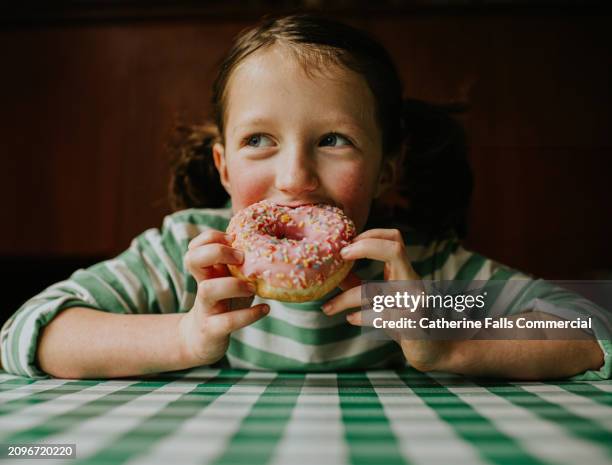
228, 322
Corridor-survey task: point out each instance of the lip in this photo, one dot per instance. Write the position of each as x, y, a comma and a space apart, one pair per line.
303, 203
296, 204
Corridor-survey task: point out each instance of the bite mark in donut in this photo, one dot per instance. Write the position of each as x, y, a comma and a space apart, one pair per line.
291, 253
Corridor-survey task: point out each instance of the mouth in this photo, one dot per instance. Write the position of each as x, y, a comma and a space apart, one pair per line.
297, 204
304, 203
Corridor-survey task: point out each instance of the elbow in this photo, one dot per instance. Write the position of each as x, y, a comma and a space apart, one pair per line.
593, 355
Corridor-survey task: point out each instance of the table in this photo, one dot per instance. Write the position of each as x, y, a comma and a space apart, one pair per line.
206, 416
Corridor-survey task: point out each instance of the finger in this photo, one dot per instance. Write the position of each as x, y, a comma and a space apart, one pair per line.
351, 280
347, 299
365, 318
379, 233
355, 318
391, 252
209, 236
228, 322
212, 291
217, 271
362, 317
376, 249
197, 260
212, 272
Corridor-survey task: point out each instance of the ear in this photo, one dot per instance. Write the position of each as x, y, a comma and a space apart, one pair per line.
389, 172
219, 157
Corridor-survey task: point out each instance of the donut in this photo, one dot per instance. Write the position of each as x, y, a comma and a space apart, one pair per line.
291, 253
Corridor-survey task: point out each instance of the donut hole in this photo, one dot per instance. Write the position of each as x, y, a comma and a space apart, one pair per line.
282, 231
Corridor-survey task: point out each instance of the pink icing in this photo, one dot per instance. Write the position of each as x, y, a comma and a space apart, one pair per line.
291, 247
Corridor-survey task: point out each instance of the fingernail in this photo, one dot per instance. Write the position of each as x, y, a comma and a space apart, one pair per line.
346, 251
326, 308
265, 309
229, 238
239, 255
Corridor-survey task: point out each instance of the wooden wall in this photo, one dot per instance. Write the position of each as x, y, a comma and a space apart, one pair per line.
87, 108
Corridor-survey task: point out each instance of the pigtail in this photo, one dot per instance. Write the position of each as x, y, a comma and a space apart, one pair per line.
436, 182
194, 181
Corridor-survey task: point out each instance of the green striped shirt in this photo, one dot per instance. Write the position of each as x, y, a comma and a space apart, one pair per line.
150, 277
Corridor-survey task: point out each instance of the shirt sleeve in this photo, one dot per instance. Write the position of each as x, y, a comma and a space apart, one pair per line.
512, 292
149, 277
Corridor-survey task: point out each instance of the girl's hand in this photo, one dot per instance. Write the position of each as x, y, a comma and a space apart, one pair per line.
387, 245
205, 329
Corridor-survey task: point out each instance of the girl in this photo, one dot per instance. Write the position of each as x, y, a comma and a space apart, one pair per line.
306, 110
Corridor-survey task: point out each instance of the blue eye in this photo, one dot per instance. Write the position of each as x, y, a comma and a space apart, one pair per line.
332, 139
256, 141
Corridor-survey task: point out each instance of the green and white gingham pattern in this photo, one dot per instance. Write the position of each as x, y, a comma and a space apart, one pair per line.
234, 417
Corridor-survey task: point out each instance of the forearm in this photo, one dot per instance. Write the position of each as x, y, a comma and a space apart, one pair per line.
523, 359
510, 356
86, 343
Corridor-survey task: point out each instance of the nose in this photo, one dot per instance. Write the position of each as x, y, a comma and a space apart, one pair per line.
296, 173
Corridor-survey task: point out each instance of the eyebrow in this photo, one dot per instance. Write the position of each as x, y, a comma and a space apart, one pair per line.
257, 121
349, 124
352, 124
332, 121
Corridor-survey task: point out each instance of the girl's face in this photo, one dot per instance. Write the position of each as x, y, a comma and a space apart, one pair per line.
295, 138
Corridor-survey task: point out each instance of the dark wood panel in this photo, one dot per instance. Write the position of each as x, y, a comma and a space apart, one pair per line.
69, 12
91, 111
532, 81
545, 211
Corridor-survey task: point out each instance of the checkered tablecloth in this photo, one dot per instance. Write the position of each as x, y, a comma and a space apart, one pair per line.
235, 417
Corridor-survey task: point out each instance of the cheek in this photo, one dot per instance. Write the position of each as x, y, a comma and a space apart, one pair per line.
354, 188
247, 183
